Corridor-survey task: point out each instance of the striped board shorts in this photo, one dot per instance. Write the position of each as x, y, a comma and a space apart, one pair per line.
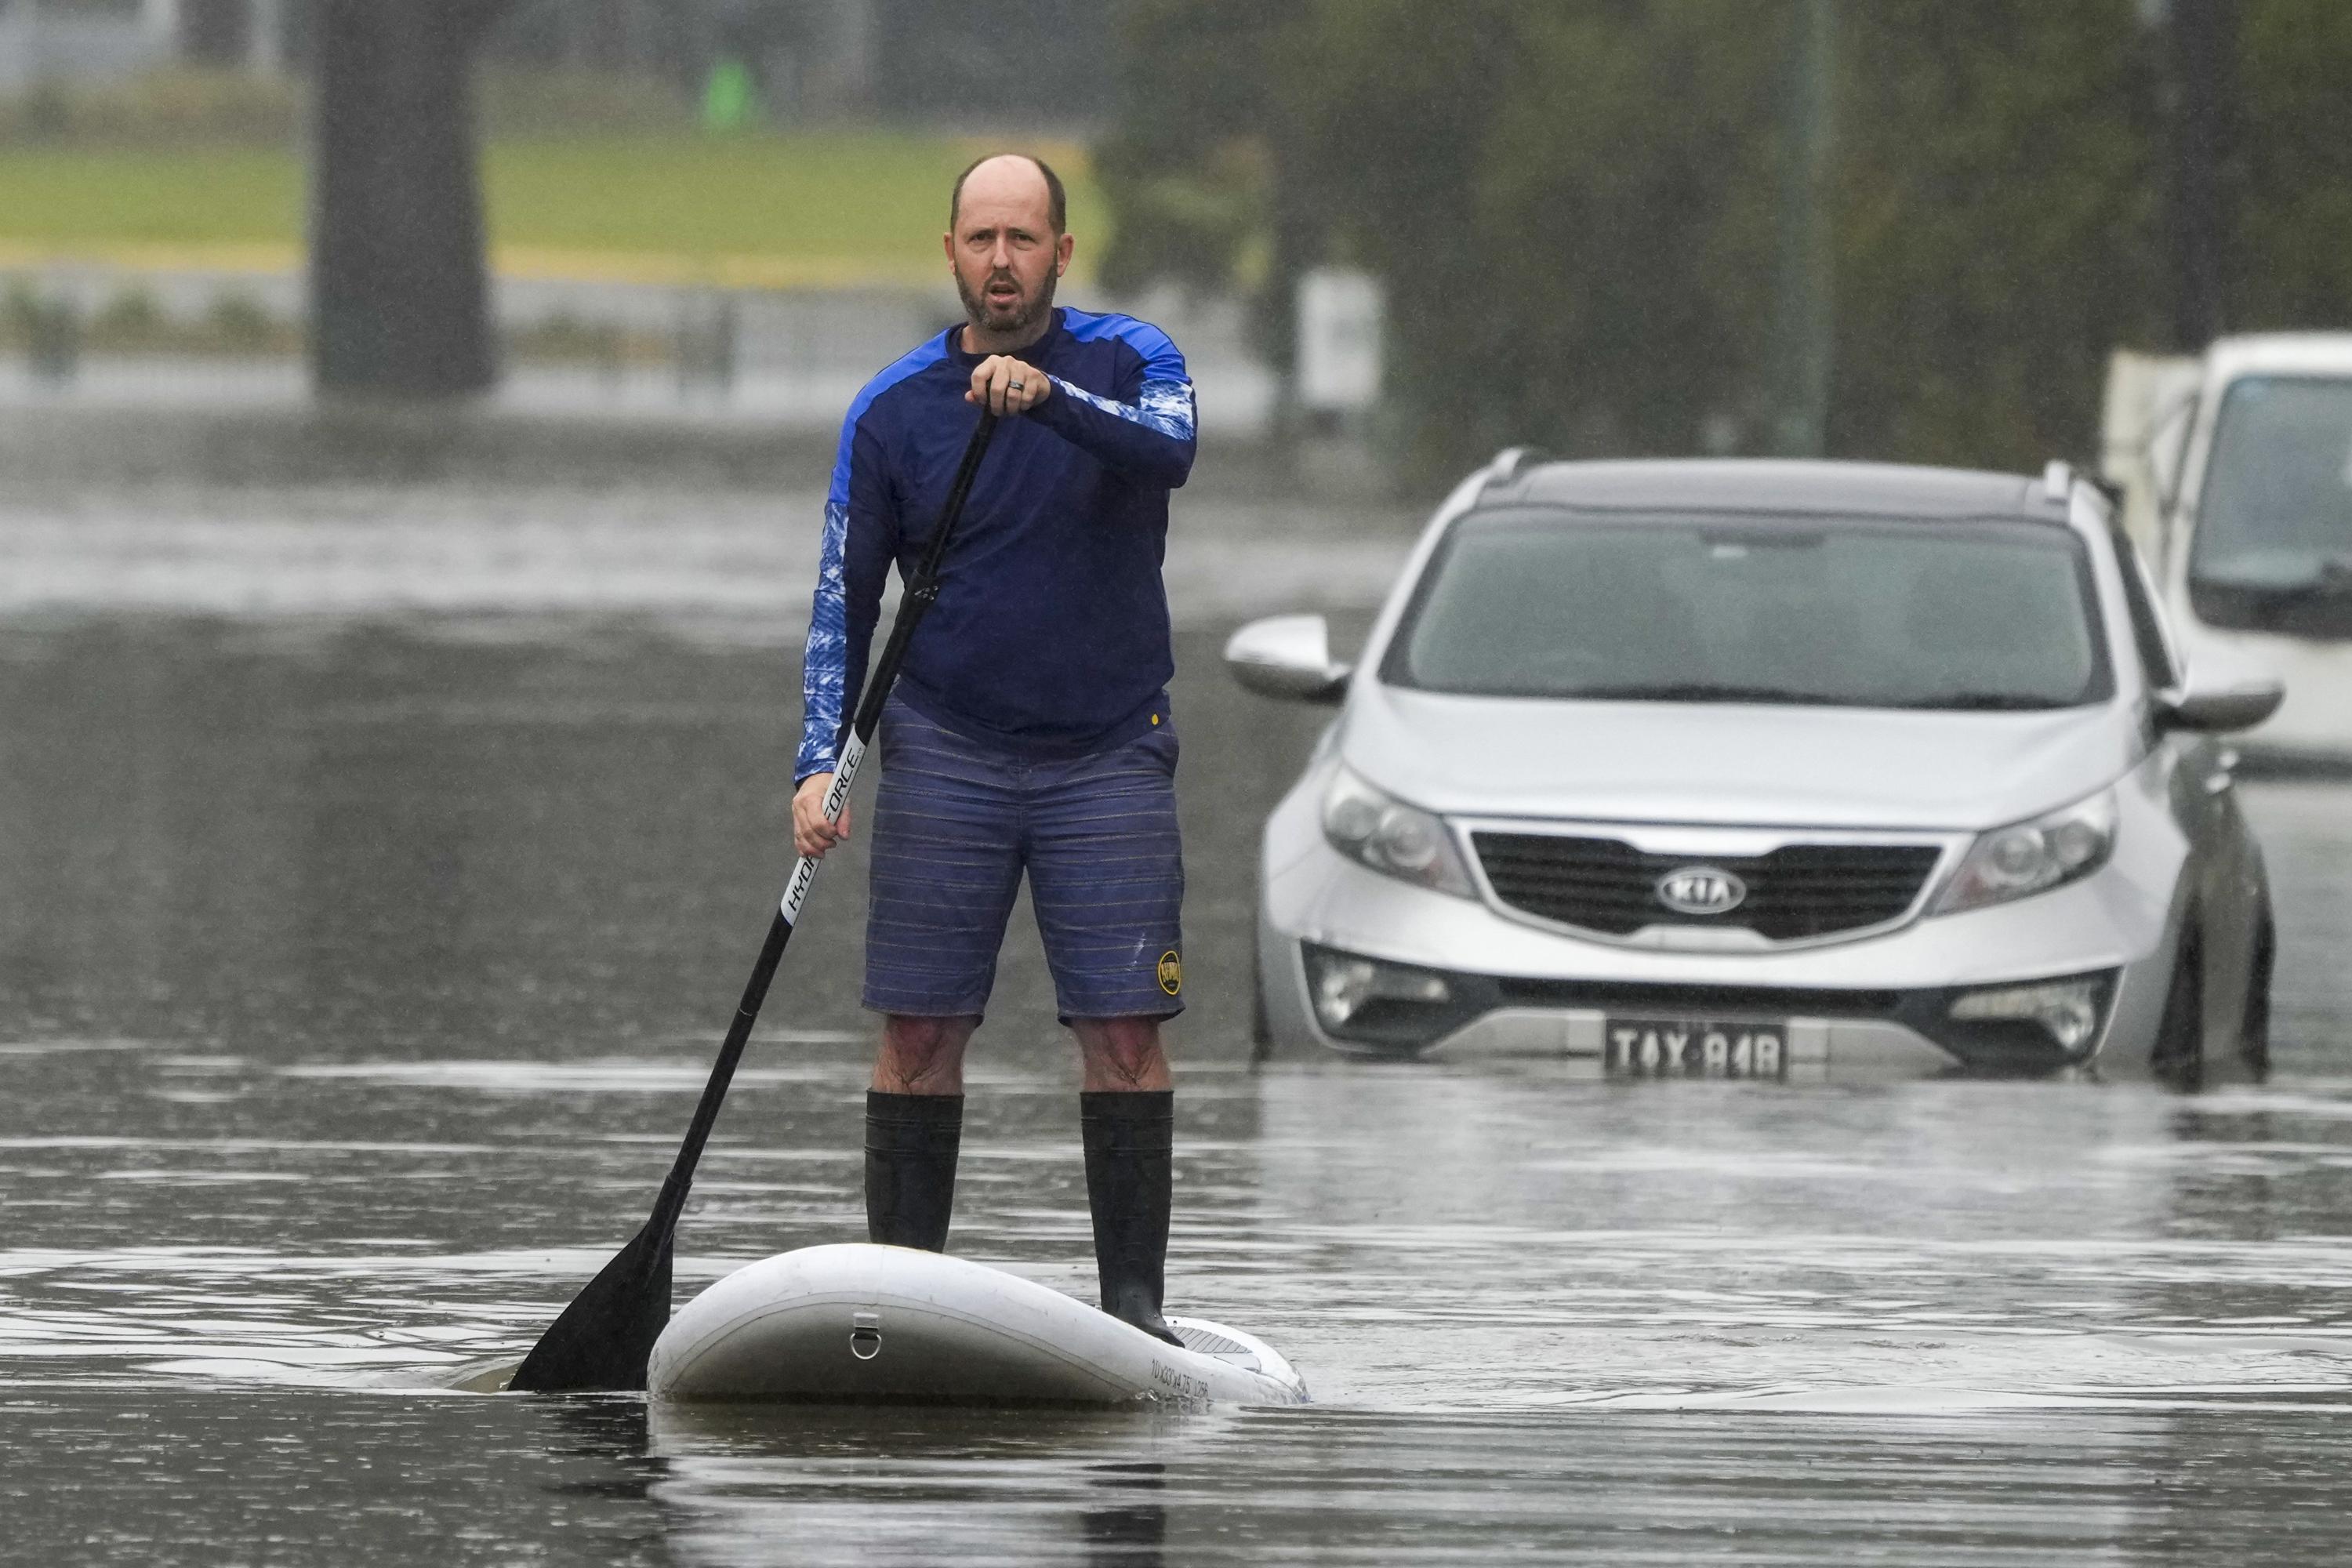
955, 824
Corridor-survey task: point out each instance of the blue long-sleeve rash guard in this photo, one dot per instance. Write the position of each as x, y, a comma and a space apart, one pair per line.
1050, 637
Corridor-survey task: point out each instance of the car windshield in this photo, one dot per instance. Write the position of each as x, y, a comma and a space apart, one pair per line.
1849, 613
2276, 513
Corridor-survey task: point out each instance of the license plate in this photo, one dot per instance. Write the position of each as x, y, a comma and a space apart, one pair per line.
1693, 1047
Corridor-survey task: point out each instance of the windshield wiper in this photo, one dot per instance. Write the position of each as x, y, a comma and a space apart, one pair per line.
1704, 692
1982, 702
1689, 692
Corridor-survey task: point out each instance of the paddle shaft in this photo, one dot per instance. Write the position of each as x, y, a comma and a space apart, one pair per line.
922, 590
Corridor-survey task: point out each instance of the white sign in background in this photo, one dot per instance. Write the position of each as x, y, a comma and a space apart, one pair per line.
1341, 314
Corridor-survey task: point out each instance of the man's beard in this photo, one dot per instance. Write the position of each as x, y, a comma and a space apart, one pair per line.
1018, 317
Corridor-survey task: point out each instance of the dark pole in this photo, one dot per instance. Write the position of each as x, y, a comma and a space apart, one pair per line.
399, 285
1805, 323
218, 32
2202, 37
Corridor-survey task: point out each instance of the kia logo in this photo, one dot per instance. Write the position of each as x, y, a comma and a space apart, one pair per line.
1701, 890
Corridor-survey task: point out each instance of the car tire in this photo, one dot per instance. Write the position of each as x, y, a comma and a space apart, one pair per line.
2179, 1058
2254, 1025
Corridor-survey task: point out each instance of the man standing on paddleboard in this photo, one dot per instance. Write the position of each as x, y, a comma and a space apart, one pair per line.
1029, 731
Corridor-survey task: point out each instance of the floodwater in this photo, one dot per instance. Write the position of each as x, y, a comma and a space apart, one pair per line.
377, 871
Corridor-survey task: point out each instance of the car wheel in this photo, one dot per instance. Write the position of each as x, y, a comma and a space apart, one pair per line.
2179, 1054
2255, 1027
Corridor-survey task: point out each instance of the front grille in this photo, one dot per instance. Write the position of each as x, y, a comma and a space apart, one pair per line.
1798, 890
1698, 1001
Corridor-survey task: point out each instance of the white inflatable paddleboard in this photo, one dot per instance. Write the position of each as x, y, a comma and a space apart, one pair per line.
858, 1323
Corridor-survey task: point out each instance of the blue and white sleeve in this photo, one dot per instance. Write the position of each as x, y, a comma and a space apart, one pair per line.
1150, 440
853, 564
823, 672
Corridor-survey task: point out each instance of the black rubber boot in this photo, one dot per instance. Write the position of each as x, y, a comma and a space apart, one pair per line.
1128, 1133
911, 1165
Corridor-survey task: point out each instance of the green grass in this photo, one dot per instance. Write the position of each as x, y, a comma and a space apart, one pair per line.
102, 198
752, 208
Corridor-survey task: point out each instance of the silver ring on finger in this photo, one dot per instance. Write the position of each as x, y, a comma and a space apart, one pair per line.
1015, 384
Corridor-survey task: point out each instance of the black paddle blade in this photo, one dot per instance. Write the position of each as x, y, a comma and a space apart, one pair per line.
603, 1339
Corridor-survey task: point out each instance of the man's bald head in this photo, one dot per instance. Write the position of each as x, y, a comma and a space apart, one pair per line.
1012, 175
1006, 245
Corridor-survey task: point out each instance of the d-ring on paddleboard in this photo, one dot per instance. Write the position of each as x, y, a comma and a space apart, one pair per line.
858, 1324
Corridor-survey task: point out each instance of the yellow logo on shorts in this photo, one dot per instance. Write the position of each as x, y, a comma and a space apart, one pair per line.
1172, 973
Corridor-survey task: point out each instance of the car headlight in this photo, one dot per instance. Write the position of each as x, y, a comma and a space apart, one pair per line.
2027, 858
1391, 837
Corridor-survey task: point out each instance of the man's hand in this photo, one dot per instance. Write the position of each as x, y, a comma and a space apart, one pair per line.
1003, 384
811, 833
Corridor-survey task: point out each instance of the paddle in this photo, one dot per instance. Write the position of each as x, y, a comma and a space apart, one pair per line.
603, 1340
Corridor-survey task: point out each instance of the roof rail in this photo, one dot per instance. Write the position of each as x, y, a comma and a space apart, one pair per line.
2058, 480
1511, 461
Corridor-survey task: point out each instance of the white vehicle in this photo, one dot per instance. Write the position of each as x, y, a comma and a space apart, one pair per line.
1771, 769
2237, 468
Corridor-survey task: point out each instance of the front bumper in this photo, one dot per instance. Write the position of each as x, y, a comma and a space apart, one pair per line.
1819, 1051
1874, 1006
1815, 1034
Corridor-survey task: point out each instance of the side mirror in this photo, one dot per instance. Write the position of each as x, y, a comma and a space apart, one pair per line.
1288, 656
2218, 709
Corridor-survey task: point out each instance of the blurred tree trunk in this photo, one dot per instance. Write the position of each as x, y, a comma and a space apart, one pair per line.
2204, 36
399, 287
1804, 328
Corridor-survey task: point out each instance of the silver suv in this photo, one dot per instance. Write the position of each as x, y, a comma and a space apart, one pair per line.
1790, 770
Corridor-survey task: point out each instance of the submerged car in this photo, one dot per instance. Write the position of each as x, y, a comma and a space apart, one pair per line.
1775, 769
